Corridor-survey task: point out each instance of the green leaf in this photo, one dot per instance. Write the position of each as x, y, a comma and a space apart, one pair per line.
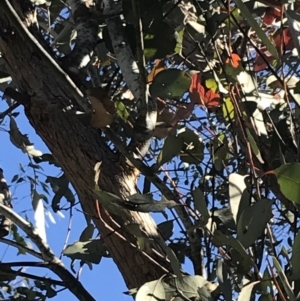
19, 239
39, 214
91, 250
224, 280
254, 146
228, 110
174, 262
296, 258
171, 148
170, 83
145, 203
193, 149
239, 197
87, 233
211, 84
260, 33
155, 45
220, 151
188, 286
151, 291
284, 280
15, 178
297, 88
166, 229
243, 260
246, 291
288, 177
111, 202
200, 204
253, 221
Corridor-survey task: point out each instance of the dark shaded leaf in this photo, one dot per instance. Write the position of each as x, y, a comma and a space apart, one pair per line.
170, 83
166, 229
87, 233
288, 177
296, 258
253, 221
224, 280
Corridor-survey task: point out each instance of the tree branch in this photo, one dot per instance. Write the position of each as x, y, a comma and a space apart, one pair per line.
19, 246
87, 28
8, 110
122, 48
4, 267
55, 264
45, 56
5, 196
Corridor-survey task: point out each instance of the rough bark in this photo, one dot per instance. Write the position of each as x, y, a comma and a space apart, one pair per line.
78, 148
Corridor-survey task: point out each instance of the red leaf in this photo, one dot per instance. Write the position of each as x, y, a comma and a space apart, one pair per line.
234, 60
212, 99
272, 14
201, 96
285, 37
196, 90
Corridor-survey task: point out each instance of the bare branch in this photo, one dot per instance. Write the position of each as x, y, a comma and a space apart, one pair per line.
122, 48
55, 264
5, 267
19, 246
9, 110
5, 197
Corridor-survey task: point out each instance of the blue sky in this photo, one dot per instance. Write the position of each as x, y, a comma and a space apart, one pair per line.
104, 282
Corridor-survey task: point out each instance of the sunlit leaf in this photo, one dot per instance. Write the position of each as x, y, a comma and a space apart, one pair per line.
238, 196
228, 110
91, 250
211, 84
187, 285
245, 294
39, 214
151, 291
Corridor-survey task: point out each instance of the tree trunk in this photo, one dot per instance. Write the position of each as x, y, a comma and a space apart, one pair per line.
77, 148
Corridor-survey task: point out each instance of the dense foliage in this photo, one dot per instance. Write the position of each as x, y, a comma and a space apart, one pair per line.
225, 80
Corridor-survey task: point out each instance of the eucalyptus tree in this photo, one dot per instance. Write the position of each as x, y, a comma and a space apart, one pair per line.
199, 100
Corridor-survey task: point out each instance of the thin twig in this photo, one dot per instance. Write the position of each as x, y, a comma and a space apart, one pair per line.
19, 246
9, 110
55, 264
